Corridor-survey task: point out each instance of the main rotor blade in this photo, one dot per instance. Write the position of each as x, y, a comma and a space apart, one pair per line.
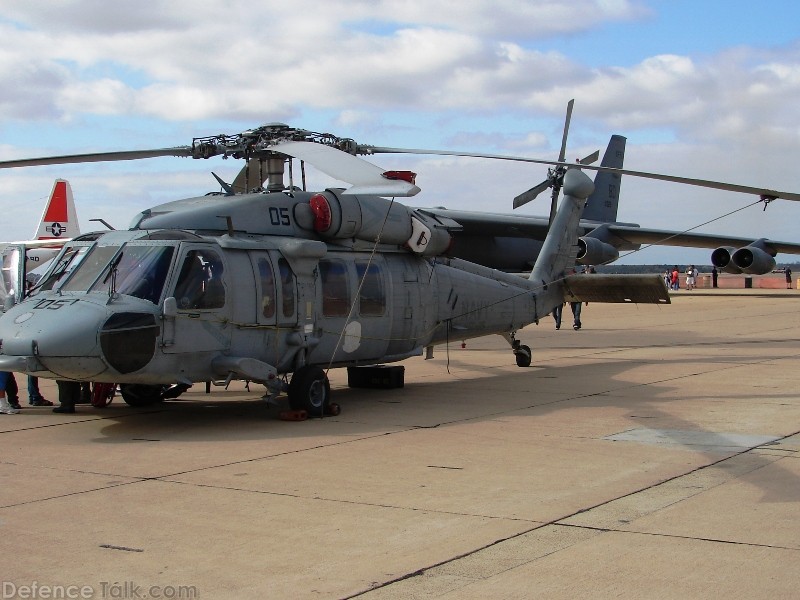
526, 197
562, 155
96, 157
707, 183
365, 177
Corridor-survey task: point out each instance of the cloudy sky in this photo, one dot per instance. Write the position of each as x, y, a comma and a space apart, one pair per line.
702, 88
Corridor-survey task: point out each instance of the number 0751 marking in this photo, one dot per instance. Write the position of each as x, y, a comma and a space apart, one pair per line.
53, 304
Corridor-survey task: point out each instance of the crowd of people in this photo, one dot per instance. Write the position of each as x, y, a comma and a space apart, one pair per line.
672, 278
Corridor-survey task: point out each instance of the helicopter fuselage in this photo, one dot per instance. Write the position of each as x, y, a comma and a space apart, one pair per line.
159, 306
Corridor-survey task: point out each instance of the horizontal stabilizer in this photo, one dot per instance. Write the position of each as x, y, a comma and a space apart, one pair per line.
637, 289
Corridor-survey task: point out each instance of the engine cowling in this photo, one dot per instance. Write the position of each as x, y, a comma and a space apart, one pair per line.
364, 218
426, 238
371, 218
592, 251
721, 258
753, 260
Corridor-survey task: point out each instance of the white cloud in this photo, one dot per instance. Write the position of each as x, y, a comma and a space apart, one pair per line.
308, 54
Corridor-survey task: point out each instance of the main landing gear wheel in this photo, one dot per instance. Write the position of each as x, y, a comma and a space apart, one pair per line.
523, 356
310, 390
139, 394
103, 394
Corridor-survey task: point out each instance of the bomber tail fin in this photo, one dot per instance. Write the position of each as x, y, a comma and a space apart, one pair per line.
602, 205
59, 219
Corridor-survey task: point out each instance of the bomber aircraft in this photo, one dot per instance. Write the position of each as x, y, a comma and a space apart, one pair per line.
509, 242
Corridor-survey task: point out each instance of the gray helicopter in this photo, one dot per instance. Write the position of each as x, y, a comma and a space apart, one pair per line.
266, 280
277, 281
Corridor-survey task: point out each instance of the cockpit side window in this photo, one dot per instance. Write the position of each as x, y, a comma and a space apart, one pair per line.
200, 281
10, 271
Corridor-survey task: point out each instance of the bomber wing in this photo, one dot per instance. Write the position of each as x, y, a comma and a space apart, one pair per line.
623, 235
663, 237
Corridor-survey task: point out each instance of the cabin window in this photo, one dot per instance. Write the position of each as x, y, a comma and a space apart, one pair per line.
267, 288
335, 288
372, 296
287, 287
200, 281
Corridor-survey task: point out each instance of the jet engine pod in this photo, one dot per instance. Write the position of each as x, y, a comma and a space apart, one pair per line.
753, 260
721, 258
337, 216
592, 251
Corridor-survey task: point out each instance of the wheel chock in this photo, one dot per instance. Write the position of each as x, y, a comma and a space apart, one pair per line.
294, 415
333, 410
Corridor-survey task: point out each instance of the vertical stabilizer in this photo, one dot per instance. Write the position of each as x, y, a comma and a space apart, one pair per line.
59, 219
603, 203
560, 247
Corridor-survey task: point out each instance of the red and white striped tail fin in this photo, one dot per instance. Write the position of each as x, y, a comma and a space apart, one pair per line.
59, 219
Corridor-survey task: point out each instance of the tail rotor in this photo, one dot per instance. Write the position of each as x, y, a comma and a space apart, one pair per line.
555, 175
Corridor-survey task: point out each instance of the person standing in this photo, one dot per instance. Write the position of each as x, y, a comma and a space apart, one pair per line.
675, 278
788, 278
6, 408
576, 315
12, 392
69, 394
35, 397
714, 276
691, 277
576, 306
557, 315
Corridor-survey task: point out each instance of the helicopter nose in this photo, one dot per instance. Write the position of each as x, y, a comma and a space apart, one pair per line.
74, 339
49, 329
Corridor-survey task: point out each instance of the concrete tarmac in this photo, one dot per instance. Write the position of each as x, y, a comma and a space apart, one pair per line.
655, 453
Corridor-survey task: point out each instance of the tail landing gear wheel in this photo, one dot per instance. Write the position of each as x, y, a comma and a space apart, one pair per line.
310, 390
523, 355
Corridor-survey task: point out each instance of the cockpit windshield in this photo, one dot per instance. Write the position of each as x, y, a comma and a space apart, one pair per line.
61, 268
139, 271
89, 269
